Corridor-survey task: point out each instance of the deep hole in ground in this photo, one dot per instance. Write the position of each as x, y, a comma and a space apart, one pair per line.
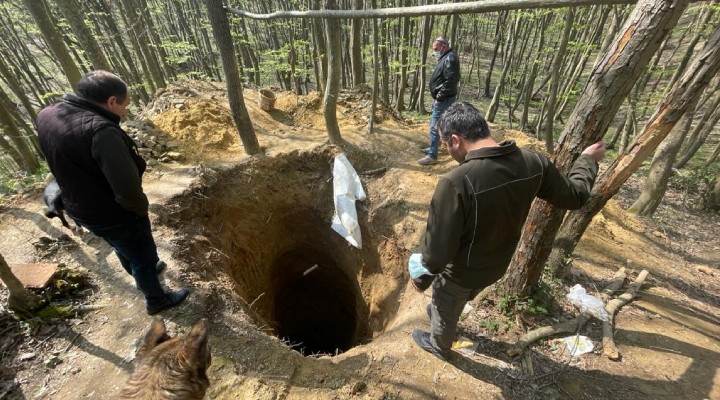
265, 224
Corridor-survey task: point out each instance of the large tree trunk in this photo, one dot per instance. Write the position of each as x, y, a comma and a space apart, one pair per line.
38, 10
20, 300
221, 32
608, 86
683, 95
332, 26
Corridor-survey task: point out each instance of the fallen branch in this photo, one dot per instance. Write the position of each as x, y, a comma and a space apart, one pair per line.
609, 348
572, 325
615, 284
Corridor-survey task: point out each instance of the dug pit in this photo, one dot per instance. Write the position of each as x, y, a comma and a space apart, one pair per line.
263, 228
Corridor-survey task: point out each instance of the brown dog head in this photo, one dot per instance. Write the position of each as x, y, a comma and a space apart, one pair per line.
170, 368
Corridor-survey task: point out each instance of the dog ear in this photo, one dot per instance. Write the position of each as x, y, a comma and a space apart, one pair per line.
195, 346
154, 336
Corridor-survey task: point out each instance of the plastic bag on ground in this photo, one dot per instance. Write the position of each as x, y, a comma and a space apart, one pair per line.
346, 189
588, 304
577, 344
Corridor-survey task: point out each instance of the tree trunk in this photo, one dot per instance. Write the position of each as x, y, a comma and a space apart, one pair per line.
221, 32
502, 17
72, 12
142, 41
356, 44
376, 71
608, 86
333, 81
20, 299
682, 96
661, 169
509, 50
28, 161
38, 10
403, 46
554, 78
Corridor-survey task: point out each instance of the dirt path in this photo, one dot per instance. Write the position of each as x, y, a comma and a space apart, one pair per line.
225, 223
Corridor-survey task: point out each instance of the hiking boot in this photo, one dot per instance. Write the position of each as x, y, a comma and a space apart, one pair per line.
427, 160
422, 339
425, 150
170, 300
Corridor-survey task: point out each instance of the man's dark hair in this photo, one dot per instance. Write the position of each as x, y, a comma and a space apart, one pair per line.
98, 86
464, 120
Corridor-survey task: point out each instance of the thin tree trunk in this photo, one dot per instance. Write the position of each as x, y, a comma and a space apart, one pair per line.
221, 32
358, 70
75, 16
554, 78
661, 169
332, 26
609, 84
38, 10
502, 18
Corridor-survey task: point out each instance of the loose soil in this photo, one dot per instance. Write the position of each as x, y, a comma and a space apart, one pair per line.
295, 312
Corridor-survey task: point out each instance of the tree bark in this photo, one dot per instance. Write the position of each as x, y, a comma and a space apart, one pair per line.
356, 44
333, 81
682, 96
608, 86
221, 32
75, 17
38, 10
554, 78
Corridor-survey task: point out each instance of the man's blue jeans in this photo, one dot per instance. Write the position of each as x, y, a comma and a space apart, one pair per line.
134, 245
437, 110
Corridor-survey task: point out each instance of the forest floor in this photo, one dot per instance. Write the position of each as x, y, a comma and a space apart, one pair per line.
241, 233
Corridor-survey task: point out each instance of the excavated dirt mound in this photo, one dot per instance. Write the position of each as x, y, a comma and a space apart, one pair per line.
201, 126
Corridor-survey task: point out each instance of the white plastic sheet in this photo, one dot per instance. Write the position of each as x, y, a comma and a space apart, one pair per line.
586, 303
346, 189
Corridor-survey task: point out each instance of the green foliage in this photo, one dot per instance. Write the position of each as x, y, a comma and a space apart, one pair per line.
14, 182
695, 182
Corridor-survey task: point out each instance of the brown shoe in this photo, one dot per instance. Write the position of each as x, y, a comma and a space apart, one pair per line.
427, 160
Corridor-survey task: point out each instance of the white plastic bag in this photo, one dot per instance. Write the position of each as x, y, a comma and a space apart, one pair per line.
577, 344
588, 304
346, 189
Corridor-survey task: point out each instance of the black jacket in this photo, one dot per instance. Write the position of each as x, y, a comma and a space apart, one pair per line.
445, 77
93, 160
479, 208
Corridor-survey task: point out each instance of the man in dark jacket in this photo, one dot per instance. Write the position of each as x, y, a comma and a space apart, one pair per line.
99, 171
443, 89
477, 213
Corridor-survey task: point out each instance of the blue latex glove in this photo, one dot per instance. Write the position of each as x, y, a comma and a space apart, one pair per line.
415, 266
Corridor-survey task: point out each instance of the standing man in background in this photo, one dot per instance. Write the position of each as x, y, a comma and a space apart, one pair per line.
443, 89
99, 171
477, 214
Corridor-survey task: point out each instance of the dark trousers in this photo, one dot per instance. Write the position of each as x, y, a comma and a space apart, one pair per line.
438, 108
134, 245
448, 301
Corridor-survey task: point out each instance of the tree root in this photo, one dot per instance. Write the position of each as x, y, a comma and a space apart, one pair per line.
609, 348
574, 325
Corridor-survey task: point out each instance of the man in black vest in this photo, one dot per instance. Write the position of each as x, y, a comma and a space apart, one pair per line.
443, 89
99, 171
